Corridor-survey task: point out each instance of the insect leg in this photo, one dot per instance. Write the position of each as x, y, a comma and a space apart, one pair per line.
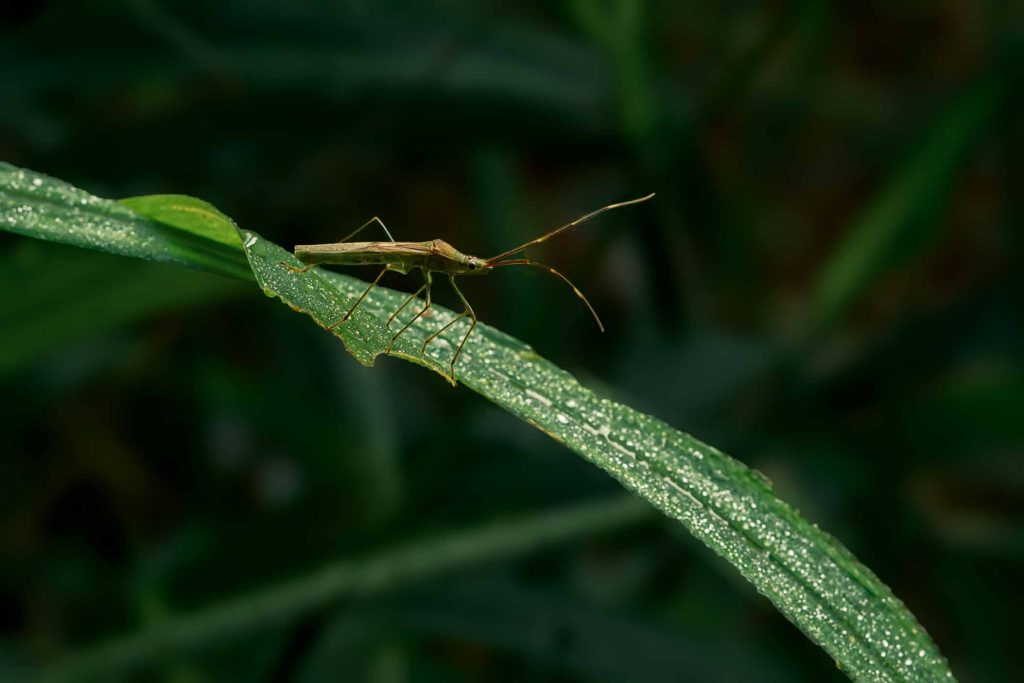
406, 303
438, 333
471, 314
360, 299
426, 276
359, 229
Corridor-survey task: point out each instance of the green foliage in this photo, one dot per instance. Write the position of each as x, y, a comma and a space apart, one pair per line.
38, 206
905, 217
390, 569
192, 215
815, 582
828, 285
46, 314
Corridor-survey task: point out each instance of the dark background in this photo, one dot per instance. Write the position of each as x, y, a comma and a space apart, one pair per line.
168, 444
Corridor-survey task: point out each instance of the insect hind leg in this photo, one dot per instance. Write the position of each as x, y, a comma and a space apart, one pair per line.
362, 296
355, 232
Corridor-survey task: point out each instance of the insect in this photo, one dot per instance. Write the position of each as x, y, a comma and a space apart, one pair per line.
433, 256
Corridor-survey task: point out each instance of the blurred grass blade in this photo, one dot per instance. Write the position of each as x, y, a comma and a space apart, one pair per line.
815, 582
510, 616
39, 206
906, 214
84, 294
387, 570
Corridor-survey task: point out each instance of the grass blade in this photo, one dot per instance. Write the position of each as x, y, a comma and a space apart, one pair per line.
108, 292
39, 206
905, 216
809, 576
388, 570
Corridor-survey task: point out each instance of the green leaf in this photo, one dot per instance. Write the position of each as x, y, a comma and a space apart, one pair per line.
906, 215
809, 576
39, 206
187, 213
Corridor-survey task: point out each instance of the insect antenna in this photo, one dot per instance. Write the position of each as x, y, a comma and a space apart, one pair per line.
542, 238
527, 262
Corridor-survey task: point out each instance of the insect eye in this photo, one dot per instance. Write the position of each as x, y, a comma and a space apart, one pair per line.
472, 265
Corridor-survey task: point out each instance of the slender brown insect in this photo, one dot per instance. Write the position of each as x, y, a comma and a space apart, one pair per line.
433, 256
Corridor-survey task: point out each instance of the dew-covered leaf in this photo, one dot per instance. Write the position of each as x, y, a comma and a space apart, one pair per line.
187, 213
36, 205
809, 576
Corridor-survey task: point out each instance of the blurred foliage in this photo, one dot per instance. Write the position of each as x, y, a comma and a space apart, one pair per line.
814, 163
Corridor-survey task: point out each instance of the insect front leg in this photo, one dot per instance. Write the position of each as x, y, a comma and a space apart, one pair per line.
426, 286
471, 314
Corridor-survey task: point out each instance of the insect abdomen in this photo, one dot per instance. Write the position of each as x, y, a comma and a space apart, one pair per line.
364, 253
